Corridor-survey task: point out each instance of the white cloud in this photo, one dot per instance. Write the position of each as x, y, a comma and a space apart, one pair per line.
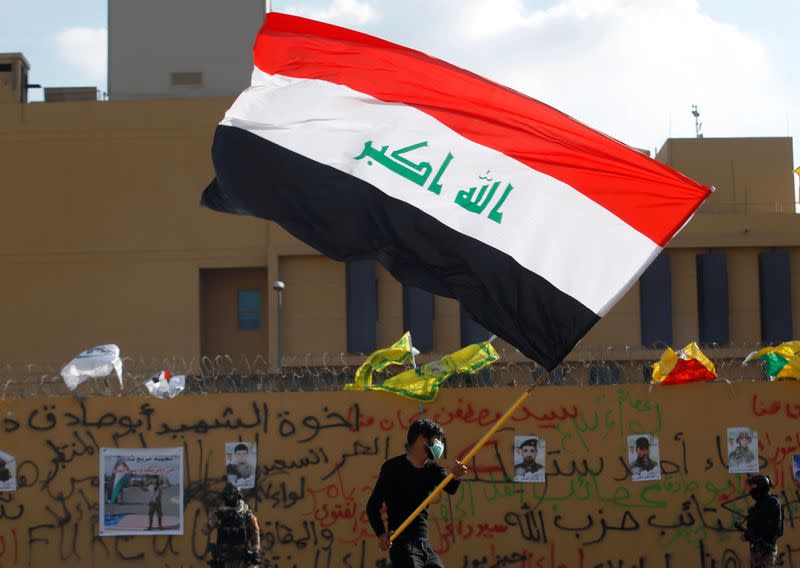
337, 12
625, 67
86, 50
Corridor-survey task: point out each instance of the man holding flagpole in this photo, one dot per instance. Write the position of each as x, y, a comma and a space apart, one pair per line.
404, 481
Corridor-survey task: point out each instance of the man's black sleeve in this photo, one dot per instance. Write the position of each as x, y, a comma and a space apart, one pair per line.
376, 501
454, 484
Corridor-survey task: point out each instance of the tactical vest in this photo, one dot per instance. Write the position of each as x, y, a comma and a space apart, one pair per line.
232, 528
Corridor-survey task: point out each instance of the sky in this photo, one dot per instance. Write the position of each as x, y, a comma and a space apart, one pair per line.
629, 68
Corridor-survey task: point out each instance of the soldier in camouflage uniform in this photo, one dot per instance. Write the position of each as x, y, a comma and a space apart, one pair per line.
238, 537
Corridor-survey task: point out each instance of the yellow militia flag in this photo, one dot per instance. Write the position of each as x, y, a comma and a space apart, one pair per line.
797, 171
423, 382
398, 354
780, 362
689, 365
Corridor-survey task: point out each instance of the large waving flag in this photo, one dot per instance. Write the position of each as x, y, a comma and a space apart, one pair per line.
360, 147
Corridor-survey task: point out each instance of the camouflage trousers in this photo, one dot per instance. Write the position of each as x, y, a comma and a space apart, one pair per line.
763, 557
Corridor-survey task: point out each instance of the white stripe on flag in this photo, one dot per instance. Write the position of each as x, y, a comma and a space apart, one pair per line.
547, 226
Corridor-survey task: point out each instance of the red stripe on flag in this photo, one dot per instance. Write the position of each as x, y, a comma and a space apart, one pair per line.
646, 194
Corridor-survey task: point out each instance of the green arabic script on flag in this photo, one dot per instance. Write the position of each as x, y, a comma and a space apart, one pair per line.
475, 199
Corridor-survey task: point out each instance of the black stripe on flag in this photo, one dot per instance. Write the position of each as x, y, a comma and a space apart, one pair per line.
344, 218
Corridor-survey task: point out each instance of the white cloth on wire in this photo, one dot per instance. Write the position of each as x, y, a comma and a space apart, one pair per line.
93, 363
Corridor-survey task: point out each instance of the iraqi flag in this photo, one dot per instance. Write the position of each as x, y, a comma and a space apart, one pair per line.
363, 148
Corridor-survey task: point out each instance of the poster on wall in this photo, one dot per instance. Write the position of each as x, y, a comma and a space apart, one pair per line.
141, 491
529, 456
240, 464
796, 467
643, 457
742, 450
8, 472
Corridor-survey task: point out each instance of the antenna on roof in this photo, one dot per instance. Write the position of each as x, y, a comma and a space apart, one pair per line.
698, 126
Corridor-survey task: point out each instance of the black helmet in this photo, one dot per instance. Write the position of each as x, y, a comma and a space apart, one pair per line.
759, 486
231, 495
760, 481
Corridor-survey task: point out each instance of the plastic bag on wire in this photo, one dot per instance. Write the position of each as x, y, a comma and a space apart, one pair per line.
165, 385
93, 363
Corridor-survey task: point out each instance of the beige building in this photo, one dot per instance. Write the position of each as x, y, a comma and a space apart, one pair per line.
192, 48
102, 240
14, 70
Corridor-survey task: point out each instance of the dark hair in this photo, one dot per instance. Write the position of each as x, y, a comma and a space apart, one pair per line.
642, 443
530, 442
241, 447
424, 427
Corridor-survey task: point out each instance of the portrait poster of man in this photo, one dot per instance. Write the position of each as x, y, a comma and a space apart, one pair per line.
240, 464
141, 491
796, 467
643, 457
742, 450
8, 472
529, 456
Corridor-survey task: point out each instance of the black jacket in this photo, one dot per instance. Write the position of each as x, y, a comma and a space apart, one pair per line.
764, 521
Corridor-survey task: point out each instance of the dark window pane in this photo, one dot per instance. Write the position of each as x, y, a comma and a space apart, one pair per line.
249, 308
362, 306
418, 316
712, 298
655, 302
775, 290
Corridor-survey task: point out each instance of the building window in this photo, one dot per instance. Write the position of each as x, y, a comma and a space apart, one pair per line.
249, 309
186, 79
655, 302
362, 306
775, 291
418, 316
712, 298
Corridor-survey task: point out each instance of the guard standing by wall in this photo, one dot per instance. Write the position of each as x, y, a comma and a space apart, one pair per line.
238, 538
764, 523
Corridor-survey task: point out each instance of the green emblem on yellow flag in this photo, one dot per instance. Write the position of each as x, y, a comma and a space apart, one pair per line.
780, 362
399, 353
423, 382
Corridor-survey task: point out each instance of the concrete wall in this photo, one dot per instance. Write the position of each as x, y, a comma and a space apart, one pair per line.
150, 39
319, 454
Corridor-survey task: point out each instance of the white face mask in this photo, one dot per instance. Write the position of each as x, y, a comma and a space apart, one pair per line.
435, 450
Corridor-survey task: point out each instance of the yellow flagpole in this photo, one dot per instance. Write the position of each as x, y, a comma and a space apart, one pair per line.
471, 454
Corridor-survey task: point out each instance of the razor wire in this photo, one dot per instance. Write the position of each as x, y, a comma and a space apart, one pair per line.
586, 366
